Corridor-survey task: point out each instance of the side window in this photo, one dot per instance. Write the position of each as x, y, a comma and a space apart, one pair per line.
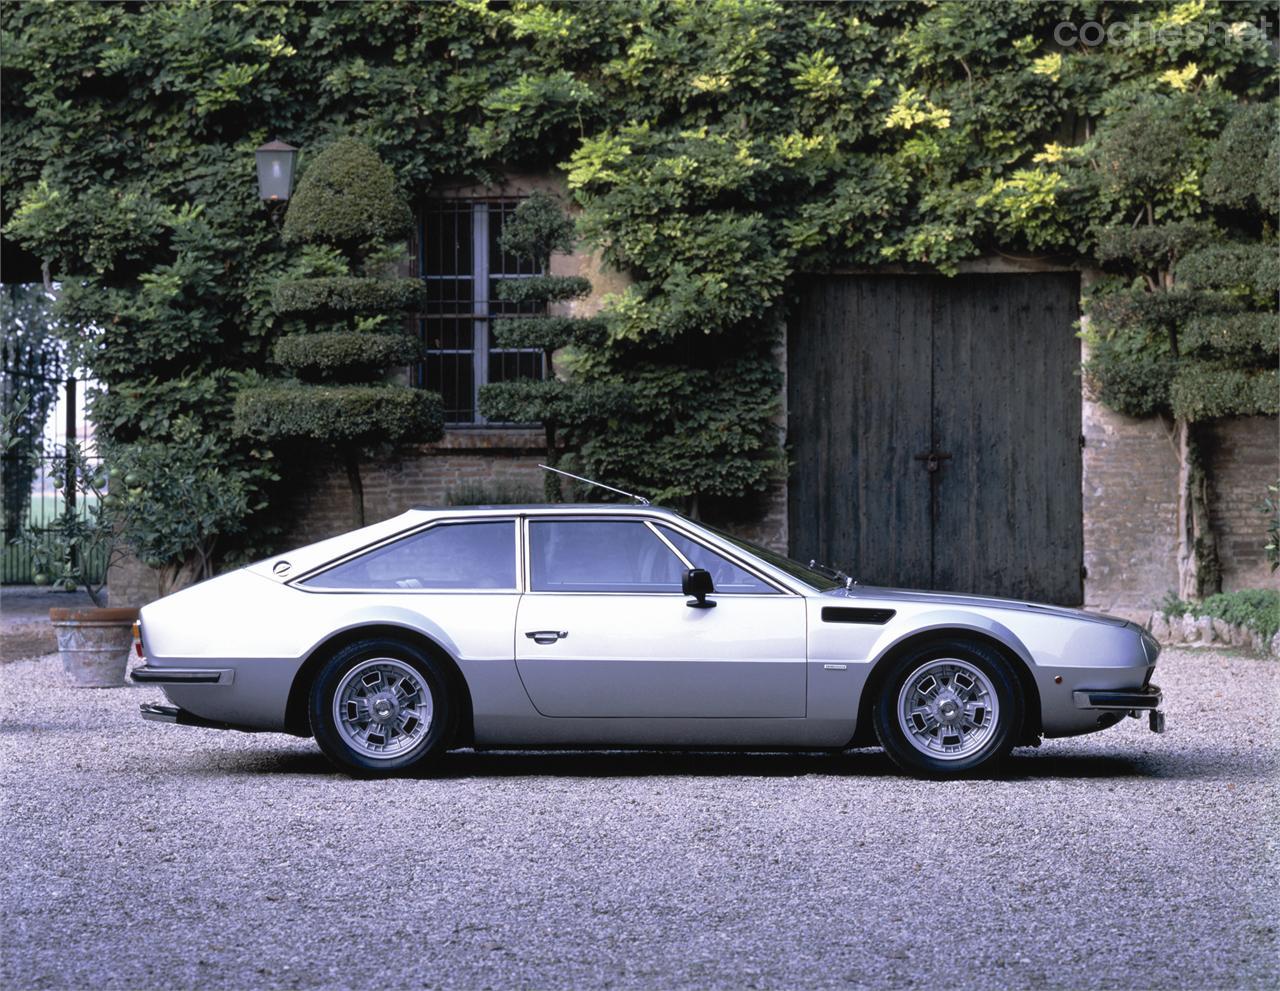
727, 576
600, 556
452, 555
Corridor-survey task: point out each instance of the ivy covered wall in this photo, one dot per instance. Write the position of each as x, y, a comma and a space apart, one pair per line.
715, 148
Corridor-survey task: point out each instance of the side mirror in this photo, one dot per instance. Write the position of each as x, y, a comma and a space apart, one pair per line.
697, 582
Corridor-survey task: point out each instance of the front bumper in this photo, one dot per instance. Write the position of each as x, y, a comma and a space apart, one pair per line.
147, 675
1147, 698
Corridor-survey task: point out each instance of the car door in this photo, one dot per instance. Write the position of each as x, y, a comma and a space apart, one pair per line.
603, 629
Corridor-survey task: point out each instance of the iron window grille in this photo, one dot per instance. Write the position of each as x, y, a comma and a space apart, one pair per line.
460, 259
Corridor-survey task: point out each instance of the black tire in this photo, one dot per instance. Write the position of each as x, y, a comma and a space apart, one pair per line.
423, 740
996, 738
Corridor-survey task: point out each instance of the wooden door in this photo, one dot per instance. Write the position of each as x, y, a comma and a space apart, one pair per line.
934, 430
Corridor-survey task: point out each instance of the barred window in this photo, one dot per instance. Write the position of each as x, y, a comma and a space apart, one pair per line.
461, 261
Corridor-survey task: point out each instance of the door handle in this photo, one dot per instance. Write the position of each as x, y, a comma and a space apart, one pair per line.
546, 637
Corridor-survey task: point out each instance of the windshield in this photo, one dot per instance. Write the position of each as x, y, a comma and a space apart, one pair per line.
802, 572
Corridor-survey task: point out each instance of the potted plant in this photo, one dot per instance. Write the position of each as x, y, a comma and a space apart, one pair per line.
75, 551
167, 503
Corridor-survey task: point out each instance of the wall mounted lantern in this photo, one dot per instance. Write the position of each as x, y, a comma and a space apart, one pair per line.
275, 171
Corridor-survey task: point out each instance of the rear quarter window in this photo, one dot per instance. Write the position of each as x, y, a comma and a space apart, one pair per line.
479, 555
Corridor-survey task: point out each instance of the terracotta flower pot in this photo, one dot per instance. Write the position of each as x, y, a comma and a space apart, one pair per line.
94, 645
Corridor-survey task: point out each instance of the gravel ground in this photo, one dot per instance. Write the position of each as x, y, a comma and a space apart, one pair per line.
24, 626
143, 855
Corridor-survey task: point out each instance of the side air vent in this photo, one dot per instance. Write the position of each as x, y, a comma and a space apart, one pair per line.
868, 617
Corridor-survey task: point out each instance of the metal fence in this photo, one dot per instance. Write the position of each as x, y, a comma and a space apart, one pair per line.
31, 503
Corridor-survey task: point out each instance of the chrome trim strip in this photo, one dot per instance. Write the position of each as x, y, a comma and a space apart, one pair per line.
1123, 701
147, 675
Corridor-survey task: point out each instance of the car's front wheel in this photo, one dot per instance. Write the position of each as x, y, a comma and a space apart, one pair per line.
380, 707
949, 708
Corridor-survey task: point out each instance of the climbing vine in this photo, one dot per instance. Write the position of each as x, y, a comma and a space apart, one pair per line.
716, 149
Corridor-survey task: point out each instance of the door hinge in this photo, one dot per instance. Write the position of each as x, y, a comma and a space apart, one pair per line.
1082, 442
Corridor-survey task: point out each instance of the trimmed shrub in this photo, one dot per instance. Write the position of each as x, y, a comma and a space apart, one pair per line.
344, 356
342, 295
1237, 175
543, 288
355, 415
1201, 392
347, 198
550, 333
1135, 383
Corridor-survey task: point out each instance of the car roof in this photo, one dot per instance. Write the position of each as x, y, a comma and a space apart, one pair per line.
552, 507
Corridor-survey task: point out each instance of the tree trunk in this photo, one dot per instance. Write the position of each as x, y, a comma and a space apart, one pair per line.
551, 482
1199, 574
352, 461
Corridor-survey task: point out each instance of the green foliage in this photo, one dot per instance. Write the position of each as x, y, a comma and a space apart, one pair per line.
341, 295
537, 229
1203, 391
1256, 609
347, 198
706, 431
553, 400
1143, 150
173, 504
1134, 381
1237, 174
348, 415
549, 333
569, 410
1191, 328
344, 356
716, 149
348, 203
1270, 508
1250, 271
543, 289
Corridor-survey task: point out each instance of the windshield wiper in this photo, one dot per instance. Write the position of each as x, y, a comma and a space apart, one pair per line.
835, 574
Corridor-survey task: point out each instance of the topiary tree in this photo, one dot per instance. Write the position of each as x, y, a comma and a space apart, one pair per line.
348, 215
538, 228
1190, 330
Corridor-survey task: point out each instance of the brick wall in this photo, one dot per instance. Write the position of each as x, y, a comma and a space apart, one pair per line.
1131, 502
461, 461
1244, 455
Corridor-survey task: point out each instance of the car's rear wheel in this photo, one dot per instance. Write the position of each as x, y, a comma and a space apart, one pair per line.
949, 708
380, 707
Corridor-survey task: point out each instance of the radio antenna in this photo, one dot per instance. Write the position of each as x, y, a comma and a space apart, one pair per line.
568, 474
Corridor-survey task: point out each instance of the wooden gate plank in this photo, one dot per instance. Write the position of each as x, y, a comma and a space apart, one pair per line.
859, 411
1008, 511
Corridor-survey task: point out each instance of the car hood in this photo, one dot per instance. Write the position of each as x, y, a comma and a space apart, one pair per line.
971, 602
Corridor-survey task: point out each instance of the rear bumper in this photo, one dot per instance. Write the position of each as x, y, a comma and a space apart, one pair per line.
147, 675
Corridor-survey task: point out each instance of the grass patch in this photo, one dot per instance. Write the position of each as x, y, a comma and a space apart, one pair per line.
1256, 609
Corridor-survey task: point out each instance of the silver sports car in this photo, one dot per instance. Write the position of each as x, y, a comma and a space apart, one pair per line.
616, 625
